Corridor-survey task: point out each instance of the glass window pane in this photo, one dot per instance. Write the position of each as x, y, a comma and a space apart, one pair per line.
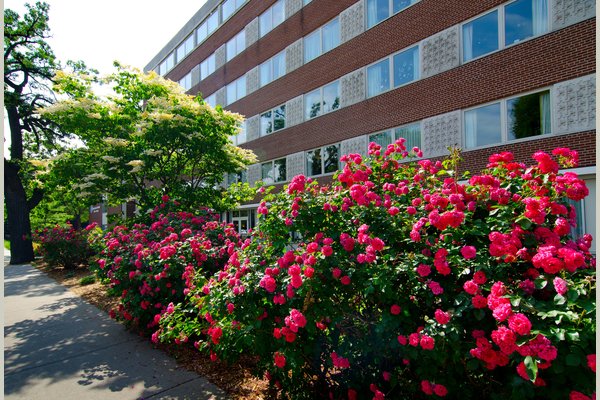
377, 11
278, 65
181, 52
266, 170
378, 78
331, 35
241, 137
243, 176
240, 85
211, 64
201, 33
189, 44
412, 134
524, 19
227, 8
331, 159
312, 104
279, 170
399, 5
482, 126
480, 36
312, 46
265, 22
265, 73
231, 93
384, 139
406, 66
266, 123
231, 49
528, 115
313, 162
240, 41
162, 68
279, 118
170, 61
278, 13
212, 22
331, 97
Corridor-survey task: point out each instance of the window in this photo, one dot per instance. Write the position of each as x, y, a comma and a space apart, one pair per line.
207, 66
480, 36
528, 115
236, 90
186, 82
240, 138
412, 134
322, 100
272, 69
238, 177
378, 10
272, 120
378, 78
384, 139
185, 48
322, 40
167, 64
524, 19
236, 45
518, 20
201, 32
212, 22
406, 66
272, 17
321, 161
483, 126
274, 171
228, 8
212, 100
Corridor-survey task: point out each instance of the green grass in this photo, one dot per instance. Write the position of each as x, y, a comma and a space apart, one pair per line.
87, 280
7, 244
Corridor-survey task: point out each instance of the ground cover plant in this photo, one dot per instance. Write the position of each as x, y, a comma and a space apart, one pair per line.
399, 281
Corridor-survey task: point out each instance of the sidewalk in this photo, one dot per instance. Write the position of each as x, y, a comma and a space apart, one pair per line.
57, 346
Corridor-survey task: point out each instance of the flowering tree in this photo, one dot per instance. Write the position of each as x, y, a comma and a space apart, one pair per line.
148, 138
408, 284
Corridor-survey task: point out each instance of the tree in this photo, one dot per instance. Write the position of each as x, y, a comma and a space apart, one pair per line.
148, 138
29, 65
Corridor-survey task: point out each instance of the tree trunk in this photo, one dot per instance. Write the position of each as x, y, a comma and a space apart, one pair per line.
17, 209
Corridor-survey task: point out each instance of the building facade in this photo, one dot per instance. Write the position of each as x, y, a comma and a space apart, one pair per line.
316, 79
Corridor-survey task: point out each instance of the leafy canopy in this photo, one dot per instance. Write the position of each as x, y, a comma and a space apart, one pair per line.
148, 138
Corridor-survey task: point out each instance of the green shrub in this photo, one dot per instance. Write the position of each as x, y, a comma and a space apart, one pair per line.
64, 246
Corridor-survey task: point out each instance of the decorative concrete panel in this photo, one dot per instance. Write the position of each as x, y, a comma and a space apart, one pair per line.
569, 12
294, 56
353, 87
440, 52
295, 164
574, 105
352, 21
292, 7
252, 80
221, 96
252, 32
294, 111
195, 75
253, 174
252, 128
441, 132
357, 145
220, 56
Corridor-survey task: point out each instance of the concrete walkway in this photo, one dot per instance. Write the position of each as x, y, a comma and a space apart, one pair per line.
58, 346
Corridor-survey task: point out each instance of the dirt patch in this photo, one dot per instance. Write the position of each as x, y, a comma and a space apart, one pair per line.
236, 379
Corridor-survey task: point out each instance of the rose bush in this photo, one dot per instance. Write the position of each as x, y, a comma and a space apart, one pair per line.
64, 246
407, 283
151, 265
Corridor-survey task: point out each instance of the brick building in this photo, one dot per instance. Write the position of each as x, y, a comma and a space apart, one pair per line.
320, 78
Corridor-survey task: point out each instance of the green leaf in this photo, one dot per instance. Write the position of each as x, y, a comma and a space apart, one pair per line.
559, 300
479, 314
574, 336
531, 368
572, 360
515, 301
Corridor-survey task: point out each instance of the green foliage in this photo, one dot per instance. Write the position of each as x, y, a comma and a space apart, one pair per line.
147, 139
407, 284
87, 280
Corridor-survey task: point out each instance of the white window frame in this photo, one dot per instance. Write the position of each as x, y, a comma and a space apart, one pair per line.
321, 96
186, 81
272, 169
504, 120
270, 64
501, 31
390, 59
322, 148
319, 33
272, 111
234, 40
235, 86
208, 62
391, 13
270, 12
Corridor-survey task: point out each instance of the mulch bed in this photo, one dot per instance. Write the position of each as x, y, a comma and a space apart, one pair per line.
235, 379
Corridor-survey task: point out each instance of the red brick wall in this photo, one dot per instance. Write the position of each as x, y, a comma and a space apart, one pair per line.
533, 64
